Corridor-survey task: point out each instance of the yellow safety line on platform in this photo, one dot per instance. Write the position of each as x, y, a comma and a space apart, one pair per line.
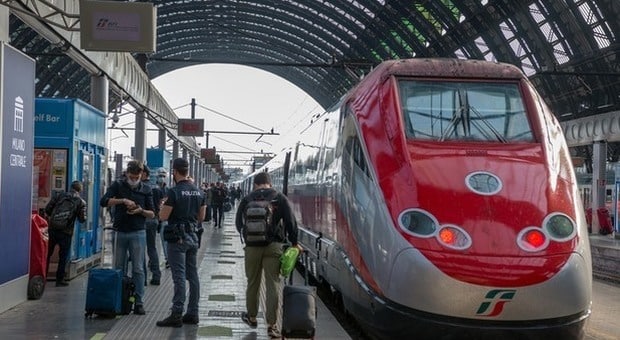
98, 336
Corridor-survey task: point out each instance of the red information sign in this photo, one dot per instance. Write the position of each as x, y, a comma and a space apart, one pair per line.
191, 127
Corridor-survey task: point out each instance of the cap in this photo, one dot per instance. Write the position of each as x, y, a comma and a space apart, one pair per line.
180, 163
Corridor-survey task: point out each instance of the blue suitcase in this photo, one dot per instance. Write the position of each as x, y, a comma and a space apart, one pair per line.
107, 287
104, 292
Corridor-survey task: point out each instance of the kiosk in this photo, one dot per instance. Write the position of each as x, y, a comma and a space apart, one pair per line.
70, 145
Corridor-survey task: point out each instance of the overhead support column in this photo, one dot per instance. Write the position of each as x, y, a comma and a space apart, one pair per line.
192, 166
4, 24
140, 140
161, 143
599, 170
184, 153
99, 89
175, 149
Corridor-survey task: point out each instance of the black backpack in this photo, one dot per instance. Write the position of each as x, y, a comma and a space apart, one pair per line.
63, 213
258, 220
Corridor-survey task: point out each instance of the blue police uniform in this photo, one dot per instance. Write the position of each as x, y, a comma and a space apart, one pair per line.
186, 200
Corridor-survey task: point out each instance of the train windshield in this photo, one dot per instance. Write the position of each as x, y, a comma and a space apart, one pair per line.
473, 111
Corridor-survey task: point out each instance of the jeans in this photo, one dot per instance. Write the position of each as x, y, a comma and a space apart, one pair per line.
134, 244
182, 260
164, 244
218, 214
151, 248
63, 240
257, 260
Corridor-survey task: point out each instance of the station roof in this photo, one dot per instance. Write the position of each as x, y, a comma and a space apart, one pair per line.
569, 49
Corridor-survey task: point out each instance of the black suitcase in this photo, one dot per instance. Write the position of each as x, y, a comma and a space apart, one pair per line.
299, 312
299, 308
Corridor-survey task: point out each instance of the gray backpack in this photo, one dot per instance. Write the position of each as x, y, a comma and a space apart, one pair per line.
258, 220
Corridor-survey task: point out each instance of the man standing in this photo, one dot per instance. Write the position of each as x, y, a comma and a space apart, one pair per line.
183, 211
264, 255
133, 204
152, 226
62, 211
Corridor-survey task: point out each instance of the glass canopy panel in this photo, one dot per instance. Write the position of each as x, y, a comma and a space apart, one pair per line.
593, 17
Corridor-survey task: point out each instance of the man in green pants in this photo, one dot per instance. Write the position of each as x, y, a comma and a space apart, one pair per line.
265, 220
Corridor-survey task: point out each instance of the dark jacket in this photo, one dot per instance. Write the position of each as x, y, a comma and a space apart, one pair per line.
283, 218
79, 214
142, 195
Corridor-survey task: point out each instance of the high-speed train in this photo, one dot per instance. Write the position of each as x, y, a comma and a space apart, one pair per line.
438, 201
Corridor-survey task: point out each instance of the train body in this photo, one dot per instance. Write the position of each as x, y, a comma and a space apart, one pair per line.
438, 201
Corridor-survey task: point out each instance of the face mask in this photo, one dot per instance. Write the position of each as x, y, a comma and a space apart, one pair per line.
133, 184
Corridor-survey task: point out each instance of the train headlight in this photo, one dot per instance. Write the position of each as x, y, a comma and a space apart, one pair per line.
559, 227
532, 239
454, 237
418, 222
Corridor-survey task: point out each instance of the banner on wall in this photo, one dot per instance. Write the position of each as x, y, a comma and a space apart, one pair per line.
17, 135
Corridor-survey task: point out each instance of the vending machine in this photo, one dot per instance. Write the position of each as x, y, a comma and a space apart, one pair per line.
50, 167
70, 145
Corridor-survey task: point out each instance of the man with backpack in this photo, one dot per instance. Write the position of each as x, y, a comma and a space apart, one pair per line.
265, 220
62, 211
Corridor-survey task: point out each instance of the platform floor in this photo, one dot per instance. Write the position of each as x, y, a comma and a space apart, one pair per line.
59, 314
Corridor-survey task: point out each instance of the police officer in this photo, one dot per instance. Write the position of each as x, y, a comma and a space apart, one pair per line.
183, 210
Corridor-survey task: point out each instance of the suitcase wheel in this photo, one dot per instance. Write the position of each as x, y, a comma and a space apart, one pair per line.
36, 286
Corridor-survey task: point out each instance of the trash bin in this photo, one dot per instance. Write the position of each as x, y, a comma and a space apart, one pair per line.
38, 257
604, 220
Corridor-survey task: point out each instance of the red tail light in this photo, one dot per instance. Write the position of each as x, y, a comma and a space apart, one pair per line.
532, 239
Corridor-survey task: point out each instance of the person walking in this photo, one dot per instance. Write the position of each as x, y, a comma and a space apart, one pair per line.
220, 195
152, 228
263, 256
182, 212
62, 211
133, 204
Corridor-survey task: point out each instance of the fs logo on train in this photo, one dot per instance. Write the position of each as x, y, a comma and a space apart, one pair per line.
495, 301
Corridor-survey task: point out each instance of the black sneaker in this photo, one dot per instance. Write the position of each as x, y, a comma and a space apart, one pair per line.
62, 284
139, 310
190, 319
167, 265
174, 320
155, 282
246, 318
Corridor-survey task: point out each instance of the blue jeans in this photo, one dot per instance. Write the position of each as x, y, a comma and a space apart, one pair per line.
151, 248
134, 244
182, 260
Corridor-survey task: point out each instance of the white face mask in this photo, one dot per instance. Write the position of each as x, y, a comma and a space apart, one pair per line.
133, 184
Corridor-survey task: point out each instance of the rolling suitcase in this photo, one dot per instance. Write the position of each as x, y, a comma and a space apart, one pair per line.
299, 310
104, 292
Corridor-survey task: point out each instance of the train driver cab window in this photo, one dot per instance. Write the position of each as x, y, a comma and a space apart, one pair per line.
471, 111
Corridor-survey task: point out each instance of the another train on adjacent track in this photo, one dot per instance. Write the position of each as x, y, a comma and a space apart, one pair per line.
437, 199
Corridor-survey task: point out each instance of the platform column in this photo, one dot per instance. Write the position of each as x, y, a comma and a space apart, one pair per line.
599, 171
140, 140
4, 24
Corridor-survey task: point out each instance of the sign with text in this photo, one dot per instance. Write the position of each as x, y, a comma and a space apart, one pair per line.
118, 26
191, 127
17, 135
210, 156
